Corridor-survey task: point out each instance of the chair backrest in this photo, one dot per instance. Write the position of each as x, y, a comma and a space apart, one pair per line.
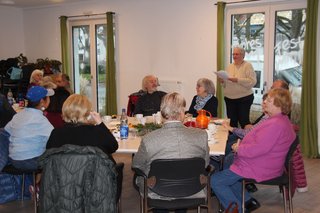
177, 177
78, 175
292, 148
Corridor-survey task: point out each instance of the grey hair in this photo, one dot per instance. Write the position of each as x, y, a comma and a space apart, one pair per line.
172, 105
207, 84
35, 72
145, 81
242, 51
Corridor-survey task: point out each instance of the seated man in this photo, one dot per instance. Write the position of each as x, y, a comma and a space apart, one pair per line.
149, 103
173, 140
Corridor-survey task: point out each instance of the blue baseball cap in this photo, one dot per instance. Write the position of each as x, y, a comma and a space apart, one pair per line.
36, 93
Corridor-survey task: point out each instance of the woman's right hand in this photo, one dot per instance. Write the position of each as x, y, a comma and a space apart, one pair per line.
96, 118
226, 125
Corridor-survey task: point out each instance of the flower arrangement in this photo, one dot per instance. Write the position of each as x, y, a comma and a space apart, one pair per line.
148, 127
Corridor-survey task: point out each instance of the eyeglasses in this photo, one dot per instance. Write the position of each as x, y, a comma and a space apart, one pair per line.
236, 53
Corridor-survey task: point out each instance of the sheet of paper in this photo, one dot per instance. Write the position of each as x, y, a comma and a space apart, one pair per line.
222, 74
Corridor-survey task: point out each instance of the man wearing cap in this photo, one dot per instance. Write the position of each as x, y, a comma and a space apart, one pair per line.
29, 130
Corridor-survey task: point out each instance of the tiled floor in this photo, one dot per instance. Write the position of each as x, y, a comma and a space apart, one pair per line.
269, 197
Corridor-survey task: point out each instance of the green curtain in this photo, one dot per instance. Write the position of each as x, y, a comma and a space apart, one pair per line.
220, 54
111, 93
64, 46
308, 123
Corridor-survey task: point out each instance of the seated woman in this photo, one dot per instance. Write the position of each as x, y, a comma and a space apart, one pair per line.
54, 110
204, 99
83, 127
267, 142
35, 78
29, 130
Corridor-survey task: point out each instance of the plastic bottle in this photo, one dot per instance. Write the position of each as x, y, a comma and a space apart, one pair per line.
10, 97
124, 128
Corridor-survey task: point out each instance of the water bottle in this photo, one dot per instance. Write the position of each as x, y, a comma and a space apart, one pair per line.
124, 128
10, 97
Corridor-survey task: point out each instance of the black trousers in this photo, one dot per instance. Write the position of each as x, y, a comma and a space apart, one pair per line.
238, 110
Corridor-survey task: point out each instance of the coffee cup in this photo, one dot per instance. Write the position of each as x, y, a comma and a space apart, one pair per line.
107, 118
212, 128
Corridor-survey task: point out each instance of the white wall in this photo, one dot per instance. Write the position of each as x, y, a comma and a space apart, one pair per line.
171, 39
11, 32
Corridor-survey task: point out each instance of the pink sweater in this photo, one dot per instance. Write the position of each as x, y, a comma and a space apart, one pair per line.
262, 152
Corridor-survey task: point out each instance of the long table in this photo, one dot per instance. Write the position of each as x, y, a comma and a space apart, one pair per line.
217, 144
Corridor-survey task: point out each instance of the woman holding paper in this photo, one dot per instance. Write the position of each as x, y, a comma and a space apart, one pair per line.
238, 85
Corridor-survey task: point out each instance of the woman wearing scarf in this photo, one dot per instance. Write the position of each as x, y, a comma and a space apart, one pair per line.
204, 99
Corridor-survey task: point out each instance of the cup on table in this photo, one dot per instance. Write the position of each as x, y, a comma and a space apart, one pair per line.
157, 118
106, 118
209, 134
212, 128
143, 120
133, 133
139, 117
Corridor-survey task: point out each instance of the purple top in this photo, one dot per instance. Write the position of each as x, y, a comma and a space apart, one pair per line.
262, 152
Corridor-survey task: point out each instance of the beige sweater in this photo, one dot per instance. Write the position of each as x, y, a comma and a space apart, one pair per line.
246, 80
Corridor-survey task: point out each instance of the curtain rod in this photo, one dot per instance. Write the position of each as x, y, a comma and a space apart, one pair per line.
86, 15
236, 2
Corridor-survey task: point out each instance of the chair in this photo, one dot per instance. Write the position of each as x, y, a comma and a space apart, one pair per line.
176, 178
283, 181
77, 179
9, 169
119, 169
132, 102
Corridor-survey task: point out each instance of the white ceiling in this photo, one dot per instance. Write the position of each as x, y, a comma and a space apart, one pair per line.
34, 3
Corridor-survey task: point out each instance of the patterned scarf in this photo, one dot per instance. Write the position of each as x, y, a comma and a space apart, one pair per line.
200, 102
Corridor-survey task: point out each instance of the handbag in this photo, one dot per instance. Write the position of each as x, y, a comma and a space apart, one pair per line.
14, 73
232, 208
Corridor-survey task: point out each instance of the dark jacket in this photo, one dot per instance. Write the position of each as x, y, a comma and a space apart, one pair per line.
6, 111
149, 104
84, 135
211, 106
77, 179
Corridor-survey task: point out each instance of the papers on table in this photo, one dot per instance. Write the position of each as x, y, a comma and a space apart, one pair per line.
222, 74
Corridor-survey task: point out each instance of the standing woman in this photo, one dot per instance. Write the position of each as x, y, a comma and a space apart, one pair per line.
238, 88
204, 99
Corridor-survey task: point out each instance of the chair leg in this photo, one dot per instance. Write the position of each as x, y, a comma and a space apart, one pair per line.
119, 206
284, 195
35, 201
290, 201
243, 198
22, 189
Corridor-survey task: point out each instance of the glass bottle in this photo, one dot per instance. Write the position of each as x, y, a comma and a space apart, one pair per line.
124, 128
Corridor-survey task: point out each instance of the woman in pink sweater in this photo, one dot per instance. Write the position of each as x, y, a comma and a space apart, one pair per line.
262, 152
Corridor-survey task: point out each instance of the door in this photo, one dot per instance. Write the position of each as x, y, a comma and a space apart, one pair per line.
273, 37
89, 60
